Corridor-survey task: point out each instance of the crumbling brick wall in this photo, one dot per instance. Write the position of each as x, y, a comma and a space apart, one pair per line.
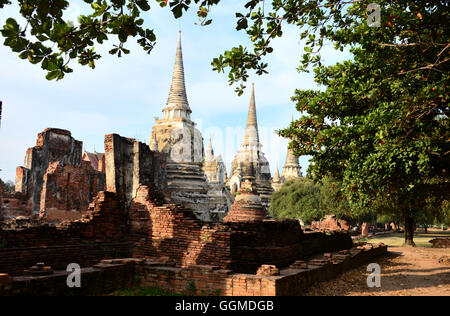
67, 190
330, 223
51, 145
130, 164
46, 177
173, 232
101, 233
14, 205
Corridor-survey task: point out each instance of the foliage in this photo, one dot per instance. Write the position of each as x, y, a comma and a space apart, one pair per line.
443, 217
380, 123
306, 200
7, 186
49, 40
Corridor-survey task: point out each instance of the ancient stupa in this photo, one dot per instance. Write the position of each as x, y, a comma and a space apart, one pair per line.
250, 161
247, 205
292, 169
277, 180
177, 136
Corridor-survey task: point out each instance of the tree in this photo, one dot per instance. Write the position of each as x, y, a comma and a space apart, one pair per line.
49, 40
381, 123
308, 200
299, 199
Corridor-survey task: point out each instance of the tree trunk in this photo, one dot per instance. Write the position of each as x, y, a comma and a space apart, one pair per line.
365, 229
426, 229
410, 227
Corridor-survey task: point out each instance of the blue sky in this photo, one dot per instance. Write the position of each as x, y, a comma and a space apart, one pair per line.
125, 95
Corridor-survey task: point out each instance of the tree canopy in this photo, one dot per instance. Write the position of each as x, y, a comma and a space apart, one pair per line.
49, 40
308, 200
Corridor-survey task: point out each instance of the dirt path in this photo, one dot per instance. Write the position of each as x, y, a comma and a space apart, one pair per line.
404, 271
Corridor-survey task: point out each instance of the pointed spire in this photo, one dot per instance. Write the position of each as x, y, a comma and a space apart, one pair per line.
177, 96
292, 168
277, 174
209, 151
251, 134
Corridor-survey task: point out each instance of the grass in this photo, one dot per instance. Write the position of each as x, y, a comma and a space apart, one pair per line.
397, 239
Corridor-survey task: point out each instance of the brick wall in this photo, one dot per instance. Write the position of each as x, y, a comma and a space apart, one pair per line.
101, 233
110, 275
54, 178
330, 223
99, 279
166, 230
130, 164
67, 190
14, 205
212, 280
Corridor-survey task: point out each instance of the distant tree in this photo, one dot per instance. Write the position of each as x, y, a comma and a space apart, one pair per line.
307, 200
299, 199
445, 215
7, 186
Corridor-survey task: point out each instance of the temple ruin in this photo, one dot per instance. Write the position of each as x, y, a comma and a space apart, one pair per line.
55, 183
136, 218
159, 214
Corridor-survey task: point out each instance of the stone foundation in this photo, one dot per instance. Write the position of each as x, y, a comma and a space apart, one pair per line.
111, 275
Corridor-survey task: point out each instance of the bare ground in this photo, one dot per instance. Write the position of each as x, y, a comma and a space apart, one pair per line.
405, 271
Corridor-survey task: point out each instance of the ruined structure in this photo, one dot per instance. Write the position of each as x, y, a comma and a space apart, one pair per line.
247, 206
13, 206
216, 174
330, 223
131, 164
96, 159
247, 254
176, 135
55, 183
291, 171
250, 161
